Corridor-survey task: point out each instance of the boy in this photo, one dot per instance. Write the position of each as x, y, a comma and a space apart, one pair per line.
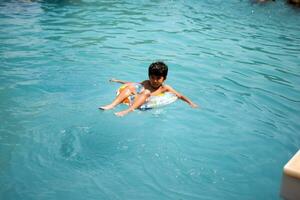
157, 73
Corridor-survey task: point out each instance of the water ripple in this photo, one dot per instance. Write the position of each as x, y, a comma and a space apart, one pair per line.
239, 61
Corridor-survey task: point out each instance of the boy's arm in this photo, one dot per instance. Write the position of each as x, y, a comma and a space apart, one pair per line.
180, 96
118, 81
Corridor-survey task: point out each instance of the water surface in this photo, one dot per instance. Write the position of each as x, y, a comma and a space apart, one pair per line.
239, 61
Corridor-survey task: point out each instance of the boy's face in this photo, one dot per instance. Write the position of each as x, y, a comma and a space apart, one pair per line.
156, 81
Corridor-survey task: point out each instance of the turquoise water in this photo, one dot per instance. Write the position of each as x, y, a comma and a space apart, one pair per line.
239, 61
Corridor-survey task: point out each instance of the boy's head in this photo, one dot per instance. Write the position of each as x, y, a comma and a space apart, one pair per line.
158, 69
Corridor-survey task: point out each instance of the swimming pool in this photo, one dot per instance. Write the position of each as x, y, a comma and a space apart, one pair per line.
239, 61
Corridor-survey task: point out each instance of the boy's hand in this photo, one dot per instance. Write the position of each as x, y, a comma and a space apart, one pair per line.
113, 80
118, 81
194, 105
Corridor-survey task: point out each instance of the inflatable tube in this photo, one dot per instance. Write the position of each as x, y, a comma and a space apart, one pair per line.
160, 100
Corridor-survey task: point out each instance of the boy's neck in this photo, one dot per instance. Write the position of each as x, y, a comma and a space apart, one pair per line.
151, 88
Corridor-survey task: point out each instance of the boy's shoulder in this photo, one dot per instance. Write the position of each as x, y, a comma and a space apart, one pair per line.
166, 86
145, 82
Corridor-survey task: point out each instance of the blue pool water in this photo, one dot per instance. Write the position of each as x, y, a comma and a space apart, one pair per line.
238, 60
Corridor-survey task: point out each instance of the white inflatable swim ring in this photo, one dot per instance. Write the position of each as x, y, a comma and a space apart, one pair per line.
160, 100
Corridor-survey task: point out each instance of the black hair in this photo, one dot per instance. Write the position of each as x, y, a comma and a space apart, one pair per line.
158, 69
